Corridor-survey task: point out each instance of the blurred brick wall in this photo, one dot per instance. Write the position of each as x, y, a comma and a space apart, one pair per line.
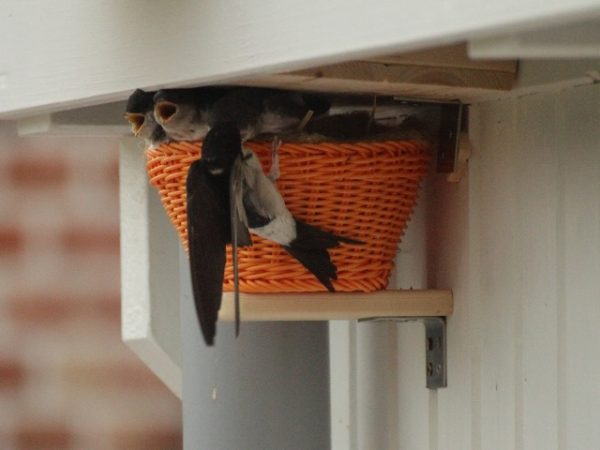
66, 379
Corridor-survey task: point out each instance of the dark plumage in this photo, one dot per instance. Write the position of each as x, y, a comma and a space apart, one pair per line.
188, 114
310, 248
210, 221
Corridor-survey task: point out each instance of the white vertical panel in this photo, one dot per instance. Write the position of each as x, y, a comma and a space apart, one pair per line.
377, 396
518, 241
579, 143
342, 385
500, 277
555, 143
413, 426
451, 251
414, 409
538, 209
150, 271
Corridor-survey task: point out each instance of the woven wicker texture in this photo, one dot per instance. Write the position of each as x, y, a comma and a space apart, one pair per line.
365, 191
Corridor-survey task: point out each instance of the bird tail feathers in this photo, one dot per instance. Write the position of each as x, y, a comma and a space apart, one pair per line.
310, 249
310, 237
318, 262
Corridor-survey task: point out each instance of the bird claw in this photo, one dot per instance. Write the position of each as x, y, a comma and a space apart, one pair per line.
274, 172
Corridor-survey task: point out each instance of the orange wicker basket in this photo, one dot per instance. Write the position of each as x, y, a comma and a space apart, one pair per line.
365, 191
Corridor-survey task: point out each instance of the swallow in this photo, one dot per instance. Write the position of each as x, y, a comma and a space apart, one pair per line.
185, 113
140, 114
258, 111
188, 114
352, 126
259, 206
228, 197
212, 224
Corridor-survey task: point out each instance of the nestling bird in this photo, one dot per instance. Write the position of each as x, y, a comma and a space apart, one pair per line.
184, 113
140, 114
188, 114
228, 195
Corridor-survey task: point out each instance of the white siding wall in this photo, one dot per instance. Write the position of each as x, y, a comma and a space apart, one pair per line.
518, 241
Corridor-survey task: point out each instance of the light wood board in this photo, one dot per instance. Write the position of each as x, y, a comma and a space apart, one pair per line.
339, 306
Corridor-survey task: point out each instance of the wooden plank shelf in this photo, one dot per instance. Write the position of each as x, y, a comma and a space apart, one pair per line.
339, 306
442, 74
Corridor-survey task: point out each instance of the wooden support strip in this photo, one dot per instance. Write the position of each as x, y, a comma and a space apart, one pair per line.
371, 78
449, 77
339, 306
444, 73
449, 56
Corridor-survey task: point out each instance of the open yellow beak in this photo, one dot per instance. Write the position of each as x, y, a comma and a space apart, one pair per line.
137, 122
164, 111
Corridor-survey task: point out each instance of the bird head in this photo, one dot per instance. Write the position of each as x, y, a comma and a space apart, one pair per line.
164, 111
138, 105
221, 146
170, 104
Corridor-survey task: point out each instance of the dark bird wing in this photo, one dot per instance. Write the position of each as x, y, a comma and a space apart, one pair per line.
316, 261
257, 111
239, 221
208, 232
240, 237
242, 106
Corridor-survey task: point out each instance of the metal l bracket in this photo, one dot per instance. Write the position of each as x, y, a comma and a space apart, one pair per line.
435, 347
452, 121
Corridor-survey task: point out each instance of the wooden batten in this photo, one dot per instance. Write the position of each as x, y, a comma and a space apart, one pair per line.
444, 73
449, 56
340, 306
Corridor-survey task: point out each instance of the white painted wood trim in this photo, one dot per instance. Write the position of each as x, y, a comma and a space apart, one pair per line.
86, 53
342, 384
580, 40
548, 76
149, 272
93, 121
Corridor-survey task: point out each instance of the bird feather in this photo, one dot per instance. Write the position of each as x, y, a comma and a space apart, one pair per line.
207, 236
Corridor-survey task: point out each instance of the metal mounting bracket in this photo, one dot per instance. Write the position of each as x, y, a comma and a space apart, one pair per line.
435, 347
452, 122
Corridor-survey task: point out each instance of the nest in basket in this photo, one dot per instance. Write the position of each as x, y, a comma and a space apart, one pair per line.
364, 190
